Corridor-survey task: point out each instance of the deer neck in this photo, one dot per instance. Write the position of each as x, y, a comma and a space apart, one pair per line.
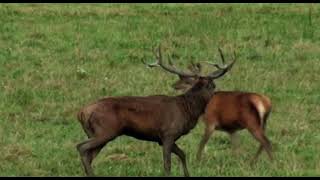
194, 104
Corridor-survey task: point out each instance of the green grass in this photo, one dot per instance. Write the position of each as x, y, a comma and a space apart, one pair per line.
54, 59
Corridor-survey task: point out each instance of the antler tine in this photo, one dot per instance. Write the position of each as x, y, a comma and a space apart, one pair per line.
157, 62
151, 65
170, 68
214, 64
195, 67
159, 57
222, 59
221, 55
170, 61
191, 67
221, 71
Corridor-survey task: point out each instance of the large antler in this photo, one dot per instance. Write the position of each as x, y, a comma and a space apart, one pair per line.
171, 68
221, 70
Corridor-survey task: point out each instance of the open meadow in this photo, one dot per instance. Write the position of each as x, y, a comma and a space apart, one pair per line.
56, 58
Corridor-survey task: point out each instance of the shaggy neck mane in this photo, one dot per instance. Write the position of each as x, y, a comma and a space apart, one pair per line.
194, 103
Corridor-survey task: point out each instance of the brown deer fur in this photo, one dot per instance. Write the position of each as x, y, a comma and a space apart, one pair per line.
230, 111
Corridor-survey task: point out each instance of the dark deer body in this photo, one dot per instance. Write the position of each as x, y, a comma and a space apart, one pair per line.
162, 119
231, 111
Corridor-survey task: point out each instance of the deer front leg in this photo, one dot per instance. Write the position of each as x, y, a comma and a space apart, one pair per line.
176, 150
167, 148
206, 136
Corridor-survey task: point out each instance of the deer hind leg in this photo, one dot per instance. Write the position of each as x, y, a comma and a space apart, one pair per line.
89, 149
85, 157
206, 136
264, 142
234, 137
176, 150
257, 153
264, 125
94, 152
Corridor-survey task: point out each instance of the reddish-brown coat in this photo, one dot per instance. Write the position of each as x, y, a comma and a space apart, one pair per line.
230, 111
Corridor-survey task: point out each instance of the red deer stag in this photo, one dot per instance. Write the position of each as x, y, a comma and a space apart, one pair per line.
230, 111
159, 118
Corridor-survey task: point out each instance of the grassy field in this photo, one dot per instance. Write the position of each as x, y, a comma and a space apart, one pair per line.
56, 58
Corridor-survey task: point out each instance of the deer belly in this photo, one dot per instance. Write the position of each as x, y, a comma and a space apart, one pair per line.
142, 135
229, 127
